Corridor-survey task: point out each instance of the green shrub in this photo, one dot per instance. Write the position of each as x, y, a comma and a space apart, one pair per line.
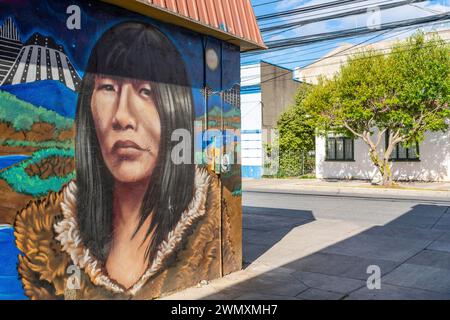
66, 144
22, 115
22, 122
21, 182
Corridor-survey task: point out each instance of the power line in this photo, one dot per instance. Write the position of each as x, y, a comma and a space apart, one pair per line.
335, 54
346, 49
304, 51
362, 30
266, 3
316, 7
352, 54
344, 14
332, 35
327, 56
361, 58
271, 23
315, 51
339, 55
316, 75
309, 51
323, 45
425, 9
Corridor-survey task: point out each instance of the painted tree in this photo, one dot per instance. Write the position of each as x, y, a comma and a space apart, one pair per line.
402, 94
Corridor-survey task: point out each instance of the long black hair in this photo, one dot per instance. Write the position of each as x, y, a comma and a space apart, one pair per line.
138, 51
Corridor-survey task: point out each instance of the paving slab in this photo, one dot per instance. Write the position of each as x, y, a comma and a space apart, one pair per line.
264, 237
443, 246
262, 296
431, 258
419, 277
443, 223
341, 265
442, 243
317, 294
405, 232
273, 287
267, 223
296, 212
328, 283
379, 247
427, 210
307, 239
251, 252
412, 221
392, 292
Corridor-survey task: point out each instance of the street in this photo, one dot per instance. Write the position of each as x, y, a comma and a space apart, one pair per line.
321, 246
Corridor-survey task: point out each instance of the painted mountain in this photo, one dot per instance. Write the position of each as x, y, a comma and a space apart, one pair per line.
39, 58
50, 94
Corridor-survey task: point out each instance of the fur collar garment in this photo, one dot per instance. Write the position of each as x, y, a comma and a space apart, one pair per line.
68, 234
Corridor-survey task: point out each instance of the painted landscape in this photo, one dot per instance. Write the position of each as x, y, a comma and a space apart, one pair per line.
36, 150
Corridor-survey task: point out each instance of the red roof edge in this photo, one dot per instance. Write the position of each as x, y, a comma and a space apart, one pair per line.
211, 17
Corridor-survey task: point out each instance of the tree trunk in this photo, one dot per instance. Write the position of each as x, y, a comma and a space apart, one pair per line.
383, 166
387, 174
381, 163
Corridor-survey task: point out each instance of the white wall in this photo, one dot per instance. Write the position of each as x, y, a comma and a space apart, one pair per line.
251, 145
250, 75
251, 118
434, 164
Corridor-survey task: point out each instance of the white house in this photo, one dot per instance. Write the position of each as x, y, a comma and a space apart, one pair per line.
344, 158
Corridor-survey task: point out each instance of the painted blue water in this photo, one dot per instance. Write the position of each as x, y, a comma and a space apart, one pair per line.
6, 161
10, 285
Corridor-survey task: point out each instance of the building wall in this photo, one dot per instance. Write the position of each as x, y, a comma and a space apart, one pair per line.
267, 91
45, 49
278, 91
434, 164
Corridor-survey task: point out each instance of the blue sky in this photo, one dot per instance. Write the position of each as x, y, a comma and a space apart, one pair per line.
305, 55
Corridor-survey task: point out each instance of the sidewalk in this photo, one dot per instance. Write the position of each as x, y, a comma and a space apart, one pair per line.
294, 256
357, 188
301, 247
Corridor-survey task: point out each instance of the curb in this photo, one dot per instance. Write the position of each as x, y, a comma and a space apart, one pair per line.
361, 194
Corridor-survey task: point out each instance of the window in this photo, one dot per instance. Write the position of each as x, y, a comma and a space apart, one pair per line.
401, 153
339, 149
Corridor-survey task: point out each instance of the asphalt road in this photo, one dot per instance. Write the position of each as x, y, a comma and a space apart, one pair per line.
364, 210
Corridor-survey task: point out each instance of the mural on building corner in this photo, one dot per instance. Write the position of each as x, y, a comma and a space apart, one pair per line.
119, 148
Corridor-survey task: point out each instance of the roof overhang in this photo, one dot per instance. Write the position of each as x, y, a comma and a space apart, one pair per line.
167, 16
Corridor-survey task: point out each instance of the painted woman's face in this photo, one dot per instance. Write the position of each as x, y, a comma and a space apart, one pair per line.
128, 127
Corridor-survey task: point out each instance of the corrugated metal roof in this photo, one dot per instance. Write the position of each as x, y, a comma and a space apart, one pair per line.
229, 20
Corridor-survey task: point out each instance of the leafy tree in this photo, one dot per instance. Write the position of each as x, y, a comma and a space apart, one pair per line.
22, 123
402, 94
296, 137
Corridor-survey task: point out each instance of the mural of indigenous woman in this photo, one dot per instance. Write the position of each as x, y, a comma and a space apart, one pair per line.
133, 224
